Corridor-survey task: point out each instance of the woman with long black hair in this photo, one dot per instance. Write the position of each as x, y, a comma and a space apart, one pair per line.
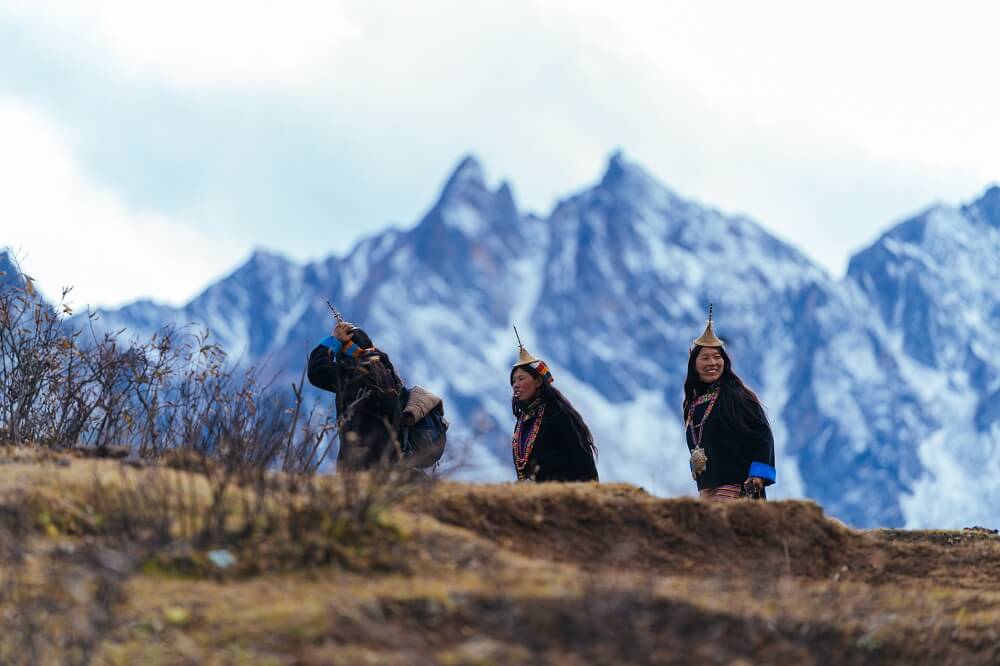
369, 417
728, 434
551, 441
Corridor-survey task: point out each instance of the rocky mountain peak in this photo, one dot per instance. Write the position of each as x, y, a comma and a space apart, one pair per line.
612, 288
627, 180
466, 179
987, 207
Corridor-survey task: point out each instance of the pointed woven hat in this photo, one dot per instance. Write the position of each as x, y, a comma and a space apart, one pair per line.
708, 338
524, 357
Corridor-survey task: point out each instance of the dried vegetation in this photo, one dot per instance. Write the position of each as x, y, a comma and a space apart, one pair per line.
155, 508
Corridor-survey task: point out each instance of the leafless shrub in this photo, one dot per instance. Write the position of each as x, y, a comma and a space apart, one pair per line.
59, 601
64, 386
238, 474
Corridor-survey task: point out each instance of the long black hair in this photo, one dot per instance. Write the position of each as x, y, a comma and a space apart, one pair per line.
375, 368
551, 394
738, 405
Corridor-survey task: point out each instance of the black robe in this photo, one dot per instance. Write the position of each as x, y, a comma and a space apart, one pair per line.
368, 409
558, 453
734, 453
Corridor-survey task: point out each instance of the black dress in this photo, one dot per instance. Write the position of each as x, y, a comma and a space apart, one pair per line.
558, 452
367, 399
734, 452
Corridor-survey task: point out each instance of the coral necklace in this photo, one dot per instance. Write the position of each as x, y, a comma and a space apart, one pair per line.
522, 450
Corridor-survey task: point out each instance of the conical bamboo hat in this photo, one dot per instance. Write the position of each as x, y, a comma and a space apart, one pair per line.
708, 338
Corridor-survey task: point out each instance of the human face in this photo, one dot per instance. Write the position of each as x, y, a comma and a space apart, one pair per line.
525, 386
709, 364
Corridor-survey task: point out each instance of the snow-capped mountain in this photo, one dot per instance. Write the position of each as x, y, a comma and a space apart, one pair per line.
883, 399
633, 269
10, 273
933, 281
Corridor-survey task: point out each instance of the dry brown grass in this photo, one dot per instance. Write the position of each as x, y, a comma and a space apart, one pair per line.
554, 574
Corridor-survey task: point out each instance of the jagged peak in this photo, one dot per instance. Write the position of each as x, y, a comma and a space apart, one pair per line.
260, 265
622, 173
466, 204
919, 230
267, 257
988, 205
467, 175
505, 190
263, 261
617, 167
910, 230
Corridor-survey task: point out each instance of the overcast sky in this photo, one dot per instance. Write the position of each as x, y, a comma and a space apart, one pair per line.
147, 148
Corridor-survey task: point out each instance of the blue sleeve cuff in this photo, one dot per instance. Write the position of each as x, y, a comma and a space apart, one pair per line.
331, 342
345, 348
764, 471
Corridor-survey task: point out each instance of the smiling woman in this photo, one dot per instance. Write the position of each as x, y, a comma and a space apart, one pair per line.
728, 434
551, 441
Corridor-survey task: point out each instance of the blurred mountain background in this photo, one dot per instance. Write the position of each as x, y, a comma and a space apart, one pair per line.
884, 399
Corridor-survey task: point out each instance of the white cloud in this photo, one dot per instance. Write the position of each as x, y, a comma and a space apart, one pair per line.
826, 123
193, 42
906, 81
71, 232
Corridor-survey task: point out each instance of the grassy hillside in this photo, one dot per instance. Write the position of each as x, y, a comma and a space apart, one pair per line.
177, 563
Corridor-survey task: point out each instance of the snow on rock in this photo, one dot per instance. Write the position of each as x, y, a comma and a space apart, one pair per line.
882, 388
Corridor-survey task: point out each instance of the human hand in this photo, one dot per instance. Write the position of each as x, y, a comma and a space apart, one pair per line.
755, 482
342, 331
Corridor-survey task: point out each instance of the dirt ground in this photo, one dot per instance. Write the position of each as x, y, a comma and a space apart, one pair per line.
541, 574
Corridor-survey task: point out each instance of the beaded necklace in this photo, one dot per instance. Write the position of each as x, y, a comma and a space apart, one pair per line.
699, 460
523, 451
697, 430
